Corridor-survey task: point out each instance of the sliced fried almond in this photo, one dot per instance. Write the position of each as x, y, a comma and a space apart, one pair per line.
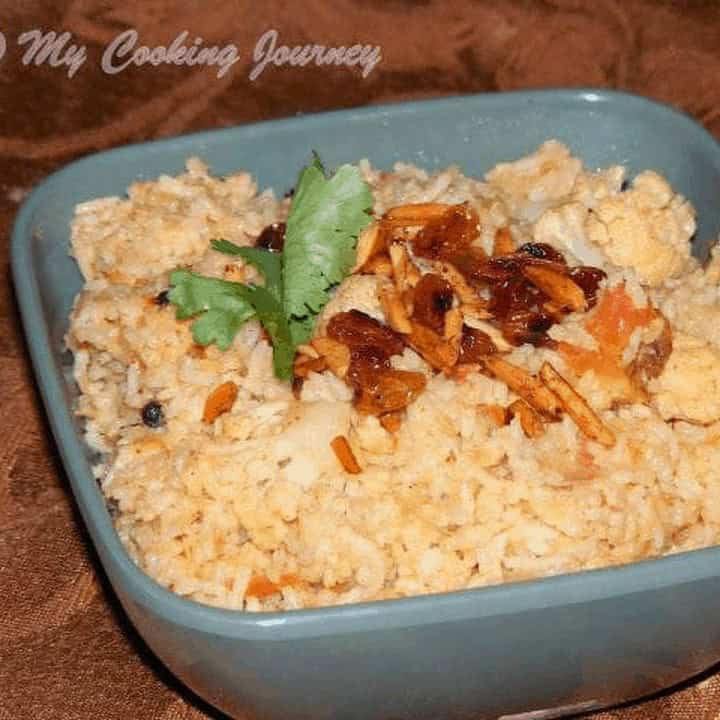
471, 301
415, 213
433, 348
379, 265
524, 384
453, 325
503, 243
491, 331
334, 353
560, 288
220, 401
412, 273
576, 406
370, 242
392, 421
408, 300
530, 421
496, 413
343, 452
304, 365
308, 350
554, 309
462, 370
399, 261
394, 309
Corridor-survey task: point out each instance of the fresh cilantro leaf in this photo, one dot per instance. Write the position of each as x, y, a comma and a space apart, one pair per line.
326, 217
301, 329
268, 263
224, 306
270, 313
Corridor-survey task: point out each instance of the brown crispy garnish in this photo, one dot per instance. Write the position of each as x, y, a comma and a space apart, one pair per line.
449, 236
495, 335
412, 273
433, 348
530, 421
220, 401
461, 371
343, 452
387, 390
392, 421
334, 354
355, 329
405, 271
576, 406
524, 384
474, 345
496, 413
379, 265
557, 286
453, 329
432, 298
414, 214
371, 241
307, 349
503, 243
394, 309
399, 260
304, 365
467, 296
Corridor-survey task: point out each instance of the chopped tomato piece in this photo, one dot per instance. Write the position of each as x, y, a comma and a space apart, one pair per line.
615, 320
262, 587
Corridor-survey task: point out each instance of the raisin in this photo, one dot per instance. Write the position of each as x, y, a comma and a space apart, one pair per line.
432, 298
527, 327
153, 414
474, 344
355, 328
514, 295
272, 238
391, 391
588, 278
542, 251
448, 236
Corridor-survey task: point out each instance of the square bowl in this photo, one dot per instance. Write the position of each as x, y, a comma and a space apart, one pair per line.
558, 645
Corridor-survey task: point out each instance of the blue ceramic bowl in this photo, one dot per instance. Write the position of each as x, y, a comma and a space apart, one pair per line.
583, 640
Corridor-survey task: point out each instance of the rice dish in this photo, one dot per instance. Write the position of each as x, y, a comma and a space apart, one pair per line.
237, 489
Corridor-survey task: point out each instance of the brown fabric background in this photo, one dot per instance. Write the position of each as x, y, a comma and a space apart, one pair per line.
66, 651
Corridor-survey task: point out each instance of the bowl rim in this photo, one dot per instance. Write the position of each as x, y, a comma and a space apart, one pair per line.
506, 598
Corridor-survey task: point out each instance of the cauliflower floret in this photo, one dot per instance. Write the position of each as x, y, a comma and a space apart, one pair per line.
564, 229
592, 187
692, 303
647, 228
689, 387
533, 184
357, 292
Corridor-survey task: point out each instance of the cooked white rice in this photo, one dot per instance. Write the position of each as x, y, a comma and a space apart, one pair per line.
450, 500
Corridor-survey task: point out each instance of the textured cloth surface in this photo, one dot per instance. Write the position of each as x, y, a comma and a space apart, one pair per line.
66, 650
